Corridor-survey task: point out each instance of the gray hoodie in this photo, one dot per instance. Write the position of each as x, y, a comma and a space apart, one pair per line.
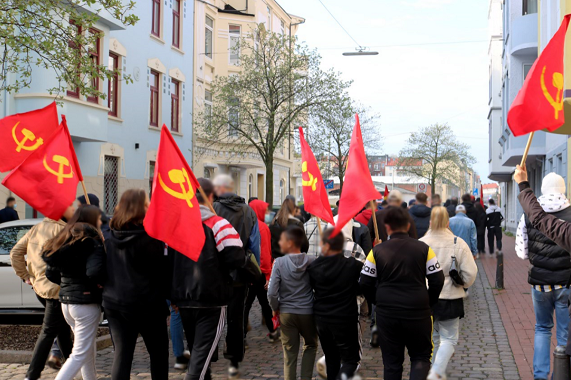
289, 290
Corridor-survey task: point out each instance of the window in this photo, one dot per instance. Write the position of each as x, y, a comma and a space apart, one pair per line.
8, 238
110, 184
234, 117
251, 186
282, 190
151, 177
208, 105
156, 20
526, 68
112, 87
529, 7
208, 37
74, 92
234, 48
207, 173
175, 106
176, 23
269, 19
155, 76
376, 166
94, 52
282, 27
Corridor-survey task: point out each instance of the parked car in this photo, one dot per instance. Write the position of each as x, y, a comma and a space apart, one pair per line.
15, 295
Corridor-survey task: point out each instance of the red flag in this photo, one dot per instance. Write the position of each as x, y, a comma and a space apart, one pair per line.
174, 214
316, 200
386, 195
539, 103
47, 180
482, 195
358, 188
23, 133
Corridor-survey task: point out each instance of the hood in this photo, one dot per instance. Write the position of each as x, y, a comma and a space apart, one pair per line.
367, 213
551, 202
232, 201
205, 213
125, 237
260, 208
67, 251
468, 205
297, 263
420, 211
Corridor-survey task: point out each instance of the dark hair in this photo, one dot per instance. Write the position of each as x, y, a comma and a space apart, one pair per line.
93, 200
295, 235
10, 199
404, 205
466, 198
335, 243
454, 201
282, 216
421, 197
82, 225
207, 187
384, 203
397, 218
252, 199
491, 202
130, 210
478, 206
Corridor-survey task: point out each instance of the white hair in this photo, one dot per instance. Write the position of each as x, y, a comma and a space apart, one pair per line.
223, 180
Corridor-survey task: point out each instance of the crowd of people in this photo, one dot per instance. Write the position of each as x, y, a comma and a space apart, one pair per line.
312, 286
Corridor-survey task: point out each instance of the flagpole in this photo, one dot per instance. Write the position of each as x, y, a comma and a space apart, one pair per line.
526, 151
372, 204
85, 192
206, 200
319, 226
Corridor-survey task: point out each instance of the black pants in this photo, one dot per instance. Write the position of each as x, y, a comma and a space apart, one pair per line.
497, 233
482, 242
54, 326
258, 290
235, 318
395, 335
126, 327
203, 328
341, 343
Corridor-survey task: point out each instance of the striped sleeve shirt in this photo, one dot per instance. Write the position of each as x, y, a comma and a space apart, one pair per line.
224, 234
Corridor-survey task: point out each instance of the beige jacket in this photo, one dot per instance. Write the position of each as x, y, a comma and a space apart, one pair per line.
442, 243
31, 245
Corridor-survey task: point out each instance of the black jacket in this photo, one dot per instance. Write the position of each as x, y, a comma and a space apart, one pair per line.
137, 271
276, 231
335, 282
421, 215
451, 208
471, 212
481, 226
78, 269
550, 264
362, 236
241, 216
381, 226
8, 214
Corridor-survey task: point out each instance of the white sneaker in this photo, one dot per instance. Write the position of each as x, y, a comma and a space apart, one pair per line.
432, 375
186, 354
233, 372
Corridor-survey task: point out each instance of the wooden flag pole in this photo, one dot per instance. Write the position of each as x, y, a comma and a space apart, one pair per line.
526, 151
206, 200
377, 239
319, 226
85, 193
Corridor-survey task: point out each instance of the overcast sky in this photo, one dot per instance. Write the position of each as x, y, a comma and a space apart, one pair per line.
432, 80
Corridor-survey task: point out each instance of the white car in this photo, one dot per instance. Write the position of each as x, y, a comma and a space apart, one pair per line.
15, 295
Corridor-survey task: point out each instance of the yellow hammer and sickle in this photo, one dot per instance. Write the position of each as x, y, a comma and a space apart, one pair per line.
180, 177
312, 180
28, 135
557, 82
60, 174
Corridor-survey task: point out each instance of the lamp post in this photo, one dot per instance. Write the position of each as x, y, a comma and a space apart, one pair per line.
361, 50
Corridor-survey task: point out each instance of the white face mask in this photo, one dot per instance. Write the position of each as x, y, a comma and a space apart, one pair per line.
15, 205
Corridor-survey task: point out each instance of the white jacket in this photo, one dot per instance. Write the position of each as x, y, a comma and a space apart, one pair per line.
442, 243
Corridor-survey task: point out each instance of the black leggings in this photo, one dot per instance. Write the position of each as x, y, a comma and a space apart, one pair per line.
258, 290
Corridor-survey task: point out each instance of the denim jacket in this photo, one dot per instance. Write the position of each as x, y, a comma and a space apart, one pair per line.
465, 229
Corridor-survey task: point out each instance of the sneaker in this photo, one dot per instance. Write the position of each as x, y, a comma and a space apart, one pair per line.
560, 349
432, 375
273, 337
477, 256
233, 372
374, 342
55, 362
186, 354
181, 363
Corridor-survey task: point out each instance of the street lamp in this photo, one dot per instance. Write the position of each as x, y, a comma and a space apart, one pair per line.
361, 51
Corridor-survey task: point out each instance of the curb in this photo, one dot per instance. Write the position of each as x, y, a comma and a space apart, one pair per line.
25, 357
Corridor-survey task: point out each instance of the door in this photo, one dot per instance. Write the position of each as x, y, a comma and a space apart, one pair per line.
261, 193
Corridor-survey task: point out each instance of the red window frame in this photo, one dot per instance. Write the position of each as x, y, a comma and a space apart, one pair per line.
155, 83
175, 105
72, 45
94, 55
113, 87
176, 24
156, 20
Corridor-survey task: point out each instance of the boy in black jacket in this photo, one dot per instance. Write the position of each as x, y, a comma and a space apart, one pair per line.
335, 282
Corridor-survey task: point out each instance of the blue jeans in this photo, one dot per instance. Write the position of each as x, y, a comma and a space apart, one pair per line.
177, 335
544, 303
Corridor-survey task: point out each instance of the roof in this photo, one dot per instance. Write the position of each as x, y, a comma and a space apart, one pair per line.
490, 186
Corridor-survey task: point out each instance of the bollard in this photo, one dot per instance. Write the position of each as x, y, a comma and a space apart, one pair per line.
500, 270
560, 364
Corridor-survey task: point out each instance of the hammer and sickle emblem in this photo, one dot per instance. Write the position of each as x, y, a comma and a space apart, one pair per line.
179, 177
312, 180
28, 136
60, 174
557, 82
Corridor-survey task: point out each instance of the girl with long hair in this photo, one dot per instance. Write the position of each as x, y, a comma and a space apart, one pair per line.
285, 217
75, 260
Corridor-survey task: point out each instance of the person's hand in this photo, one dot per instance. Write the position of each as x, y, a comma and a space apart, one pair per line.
266, 285
377, 242
520, 174
28, 282
276, 312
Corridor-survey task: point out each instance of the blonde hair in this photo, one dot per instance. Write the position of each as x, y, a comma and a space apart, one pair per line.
439, 218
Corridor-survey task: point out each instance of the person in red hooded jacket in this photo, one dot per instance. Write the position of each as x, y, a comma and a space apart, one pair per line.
259, 289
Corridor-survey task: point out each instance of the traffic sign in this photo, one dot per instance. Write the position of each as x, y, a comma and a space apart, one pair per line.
422, 187
328, 184
476, 192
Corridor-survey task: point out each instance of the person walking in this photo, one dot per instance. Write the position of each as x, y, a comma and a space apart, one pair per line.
435, 201
495, 216
135, 293
364, 216
94, 201
234, 209
26, 257
481, 228
451, 208
285, 218
403, 298
450, 251
420, 213
465, 229
550, 269
201, 300
291, 297
8, 213
75, 261
259, 289
394, 200
335, 282
468, 203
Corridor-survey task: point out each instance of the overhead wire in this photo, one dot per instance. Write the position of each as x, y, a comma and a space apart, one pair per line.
345, 30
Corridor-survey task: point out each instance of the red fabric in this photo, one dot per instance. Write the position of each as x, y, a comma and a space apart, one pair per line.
260, 208
482, 195
364, 217
359, 188
539, 103
386, 195
174, 212
315, 197
24, 133
47, 180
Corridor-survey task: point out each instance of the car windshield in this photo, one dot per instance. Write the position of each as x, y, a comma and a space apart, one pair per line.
9, 236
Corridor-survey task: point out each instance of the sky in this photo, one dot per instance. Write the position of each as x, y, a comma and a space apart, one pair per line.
432, 65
